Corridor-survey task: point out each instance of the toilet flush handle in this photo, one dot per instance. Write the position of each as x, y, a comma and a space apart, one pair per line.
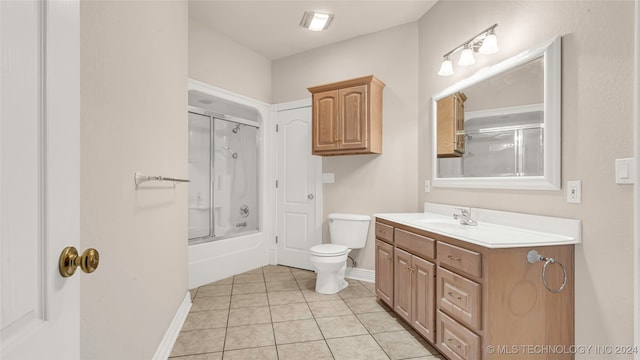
310, 196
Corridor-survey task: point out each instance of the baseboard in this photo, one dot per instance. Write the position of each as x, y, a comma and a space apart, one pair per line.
360, 274
171, 335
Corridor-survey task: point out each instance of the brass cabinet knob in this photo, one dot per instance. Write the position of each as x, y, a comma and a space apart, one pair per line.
69, 261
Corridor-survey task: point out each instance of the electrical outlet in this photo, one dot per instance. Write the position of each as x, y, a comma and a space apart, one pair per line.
574, 191
427, 186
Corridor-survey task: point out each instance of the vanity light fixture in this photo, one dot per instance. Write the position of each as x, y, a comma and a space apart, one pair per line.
316, 21
485, 42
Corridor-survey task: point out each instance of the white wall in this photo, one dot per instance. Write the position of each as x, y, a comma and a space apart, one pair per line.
366, 184
597, 116
133, 102
217, 60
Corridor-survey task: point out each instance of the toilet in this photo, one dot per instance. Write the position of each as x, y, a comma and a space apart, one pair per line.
346, 232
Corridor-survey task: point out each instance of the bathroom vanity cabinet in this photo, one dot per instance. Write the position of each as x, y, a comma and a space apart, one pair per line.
476, 303
347, 117
450, 134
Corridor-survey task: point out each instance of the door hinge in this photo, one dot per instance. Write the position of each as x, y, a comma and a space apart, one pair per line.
276, 127
276, 184
276, 239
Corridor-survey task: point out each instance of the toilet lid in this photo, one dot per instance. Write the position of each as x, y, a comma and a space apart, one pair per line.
329, 250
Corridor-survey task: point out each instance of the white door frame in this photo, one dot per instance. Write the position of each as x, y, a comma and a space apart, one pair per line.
636, 192
318, 188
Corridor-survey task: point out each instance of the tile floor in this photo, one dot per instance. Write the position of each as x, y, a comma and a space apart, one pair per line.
273, 312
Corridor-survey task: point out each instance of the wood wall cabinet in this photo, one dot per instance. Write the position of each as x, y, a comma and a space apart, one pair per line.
347, 117
476, 303
450, 118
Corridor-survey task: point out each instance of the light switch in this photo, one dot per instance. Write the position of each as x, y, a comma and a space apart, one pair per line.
328, 178
624, 171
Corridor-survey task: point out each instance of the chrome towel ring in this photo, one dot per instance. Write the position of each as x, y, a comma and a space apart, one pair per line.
533, 257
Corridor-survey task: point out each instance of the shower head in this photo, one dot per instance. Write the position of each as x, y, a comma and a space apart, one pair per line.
236, 129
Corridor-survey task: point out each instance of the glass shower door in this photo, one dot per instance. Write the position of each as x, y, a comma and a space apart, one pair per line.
200, 176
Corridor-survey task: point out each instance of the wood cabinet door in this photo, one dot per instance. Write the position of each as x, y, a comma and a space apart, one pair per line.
353, 118
384, 272
423, 309
402, 283
450, 120
325, 121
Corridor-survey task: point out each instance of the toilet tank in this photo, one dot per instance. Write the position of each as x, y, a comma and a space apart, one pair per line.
349, 230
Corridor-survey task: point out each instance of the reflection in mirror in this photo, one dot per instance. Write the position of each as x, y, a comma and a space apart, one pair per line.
510, 132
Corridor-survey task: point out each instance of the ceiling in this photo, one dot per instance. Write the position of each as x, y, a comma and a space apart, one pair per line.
271, 28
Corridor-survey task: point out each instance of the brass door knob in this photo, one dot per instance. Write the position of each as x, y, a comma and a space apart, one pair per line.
69, 261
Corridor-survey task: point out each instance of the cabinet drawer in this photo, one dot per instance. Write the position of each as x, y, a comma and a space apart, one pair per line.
417, 244
384, 232
459, 258
455, 341
460, 298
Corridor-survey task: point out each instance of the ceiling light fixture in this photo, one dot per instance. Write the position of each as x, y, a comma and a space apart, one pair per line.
485, 42
316, 21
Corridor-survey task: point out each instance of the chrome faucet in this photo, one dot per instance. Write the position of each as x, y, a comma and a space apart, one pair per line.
464, 216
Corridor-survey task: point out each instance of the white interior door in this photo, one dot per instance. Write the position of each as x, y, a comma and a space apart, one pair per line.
39, 177
299, 189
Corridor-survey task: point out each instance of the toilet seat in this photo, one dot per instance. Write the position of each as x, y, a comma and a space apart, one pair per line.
329, 250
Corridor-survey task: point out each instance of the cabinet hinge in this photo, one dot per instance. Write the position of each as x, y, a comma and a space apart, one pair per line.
276, 127
276, 184
276, 239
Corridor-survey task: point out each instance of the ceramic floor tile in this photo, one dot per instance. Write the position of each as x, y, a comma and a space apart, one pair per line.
248, 300
401, 345
288, 312
207, 356
329, 308
296, 331
248, 288
307, 284
248, 278
312, 296
209, 319
247, 336
282, 285
253, 271
241, 316
303, 274
199, 342
382, 322
210, 303
285, 297
315, 350
227, 281
355, 291
260, 353
214, 290
275, 268
365, 305
369, 286
249, 316
355, 348
278, 276
340, 326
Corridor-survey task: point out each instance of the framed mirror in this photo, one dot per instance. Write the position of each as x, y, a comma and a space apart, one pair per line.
500, 128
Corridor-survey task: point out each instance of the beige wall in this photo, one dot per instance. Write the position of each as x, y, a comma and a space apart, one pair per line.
133, 101
366, 184
217, 60
597, 124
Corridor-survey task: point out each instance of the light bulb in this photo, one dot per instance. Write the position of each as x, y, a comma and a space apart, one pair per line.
446, 69
490, 44
466, 57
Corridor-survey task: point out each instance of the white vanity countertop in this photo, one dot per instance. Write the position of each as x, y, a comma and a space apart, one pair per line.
524, 231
